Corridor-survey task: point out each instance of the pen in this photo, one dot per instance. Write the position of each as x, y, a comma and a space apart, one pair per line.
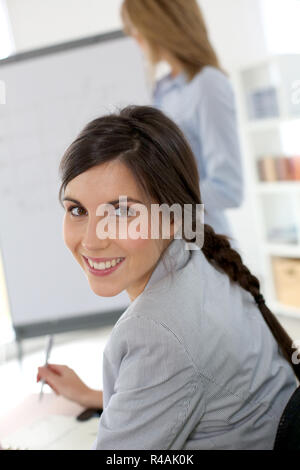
49, 347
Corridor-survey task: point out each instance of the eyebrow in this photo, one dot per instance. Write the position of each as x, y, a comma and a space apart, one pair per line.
113, 203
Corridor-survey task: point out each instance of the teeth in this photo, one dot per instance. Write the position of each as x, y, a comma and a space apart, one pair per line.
106, 265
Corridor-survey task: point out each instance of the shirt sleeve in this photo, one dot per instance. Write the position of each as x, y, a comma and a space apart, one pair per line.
156, 396
222, 186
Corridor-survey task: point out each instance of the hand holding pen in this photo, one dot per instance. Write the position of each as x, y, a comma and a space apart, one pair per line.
48, 351
65, 382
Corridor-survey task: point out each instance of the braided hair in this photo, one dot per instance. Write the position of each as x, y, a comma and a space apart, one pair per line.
218, 251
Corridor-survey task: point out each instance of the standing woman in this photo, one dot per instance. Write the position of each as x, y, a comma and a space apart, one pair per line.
197, 95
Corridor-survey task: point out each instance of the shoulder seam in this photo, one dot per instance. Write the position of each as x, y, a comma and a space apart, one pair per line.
165, 327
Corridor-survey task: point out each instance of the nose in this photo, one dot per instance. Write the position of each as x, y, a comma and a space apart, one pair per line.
90, 240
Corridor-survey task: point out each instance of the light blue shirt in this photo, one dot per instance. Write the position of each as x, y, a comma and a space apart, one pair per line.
191, 364
204, 109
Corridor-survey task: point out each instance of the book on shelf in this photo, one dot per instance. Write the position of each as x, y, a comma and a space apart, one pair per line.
296, 167
278, 168
263, 103
286, 276
284, 235
270, 169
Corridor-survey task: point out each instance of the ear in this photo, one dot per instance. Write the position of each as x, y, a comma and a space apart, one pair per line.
138, 37
175, 226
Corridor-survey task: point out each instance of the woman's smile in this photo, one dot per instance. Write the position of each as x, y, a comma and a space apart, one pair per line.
131, 259
102, 266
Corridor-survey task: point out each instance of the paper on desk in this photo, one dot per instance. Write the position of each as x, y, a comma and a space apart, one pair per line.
54, 433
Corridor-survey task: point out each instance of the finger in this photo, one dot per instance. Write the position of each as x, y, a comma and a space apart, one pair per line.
38, 378
46, 374
52, 386
45, 369
41, 372
57, 368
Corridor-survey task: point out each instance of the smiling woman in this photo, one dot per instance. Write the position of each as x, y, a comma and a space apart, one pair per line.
111, 265
197, 361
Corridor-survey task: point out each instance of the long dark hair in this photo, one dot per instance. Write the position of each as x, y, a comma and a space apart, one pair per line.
162, 162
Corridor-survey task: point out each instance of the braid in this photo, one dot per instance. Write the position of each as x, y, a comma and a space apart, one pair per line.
219, 252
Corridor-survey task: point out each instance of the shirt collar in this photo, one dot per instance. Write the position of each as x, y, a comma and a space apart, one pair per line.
174, 258
168, 82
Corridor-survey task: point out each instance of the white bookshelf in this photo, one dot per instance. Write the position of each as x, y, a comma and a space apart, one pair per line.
278, 187
283, 310
269, 124
276, 203
282, 250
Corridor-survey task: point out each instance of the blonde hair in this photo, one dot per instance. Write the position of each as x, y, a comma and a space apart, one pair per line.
177, 26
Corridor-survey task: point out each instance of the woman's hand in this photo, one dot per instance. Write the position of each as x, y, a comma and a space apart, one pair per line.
64, 381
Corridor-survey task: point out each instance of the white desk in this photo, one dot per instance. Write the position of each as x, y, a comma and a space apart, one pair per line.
55, 410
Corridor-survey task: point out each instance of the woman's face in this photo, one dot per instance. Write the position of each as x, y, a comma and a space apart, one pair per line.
111, 263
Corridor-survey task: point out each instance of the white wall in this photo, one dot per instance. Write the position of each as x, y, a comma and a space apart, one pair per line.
38, 23
235, 25
281, 19
236, 30
6, 38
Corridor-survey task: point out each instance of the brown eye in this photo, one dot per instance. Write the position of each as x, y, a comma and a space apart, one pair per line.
77, 211
124, 211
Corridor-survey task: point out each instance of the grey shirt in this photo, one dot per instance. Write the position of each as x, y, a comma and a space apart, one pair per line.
191, 364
